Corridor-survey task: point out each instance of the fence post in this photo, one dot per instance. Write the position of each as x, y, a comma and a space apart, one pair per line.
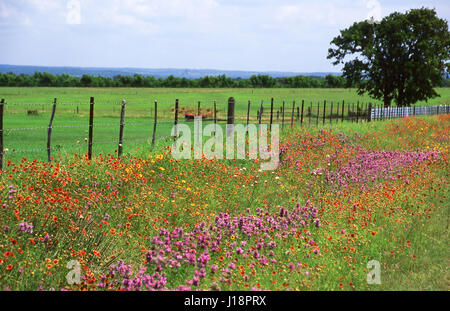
298, 113
261, 111
271, 114
292, 115
343, 106
301, 118
230, 118
215, 116
365, 110
324, 110
337, 112
310, 113
248, 113
91, 127
49, 130
414, 110
353, 112
122, 118
154, 124
175, 126
318, 111
331, 112
198, 123
282, 117
357, 112
2, 103
369, 113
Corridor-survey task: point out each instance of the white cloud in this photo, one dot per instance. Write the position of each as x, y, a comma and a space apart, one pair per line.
46, 5
6, 11
73, 15
332, 13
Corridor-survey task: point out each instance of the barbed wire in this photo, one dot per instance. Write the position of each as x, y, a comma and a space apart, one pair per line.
85, 145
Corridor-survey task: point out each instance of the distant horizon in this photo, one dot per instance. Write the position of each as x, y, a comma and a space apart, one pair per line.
166, 68
191, 73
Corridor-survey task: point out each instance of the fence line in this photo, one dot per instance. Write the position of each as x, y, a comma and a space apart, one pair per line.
399, 112
300, 114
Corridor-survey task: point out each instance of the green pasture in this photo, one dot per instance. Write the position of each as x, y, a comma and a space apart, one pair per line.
27, 114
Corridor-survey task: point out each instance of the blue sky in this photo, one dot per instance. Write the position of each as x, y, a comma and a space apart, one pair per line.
266, 35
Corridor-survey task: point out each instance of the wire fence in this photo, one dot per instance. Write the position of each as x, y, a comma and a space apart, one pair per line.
148, 126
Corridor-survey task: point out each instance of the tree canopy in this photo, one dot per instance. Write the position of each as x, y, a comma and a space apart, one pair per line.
401, 58
220, 81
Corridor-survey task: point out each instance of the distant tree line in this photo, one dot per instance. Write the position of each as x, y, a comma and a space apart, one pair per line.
45, 79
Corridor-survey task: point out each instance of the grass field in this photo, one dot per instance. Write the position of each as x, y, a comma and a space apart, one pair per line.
26, 135
189, 97
340, 198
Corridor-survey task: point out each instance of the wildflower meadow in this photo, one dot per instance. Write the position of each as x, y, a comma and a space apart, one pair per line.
341, 197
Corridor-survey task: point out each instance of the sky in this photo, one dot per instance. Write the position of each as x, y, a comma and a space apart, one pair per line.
264, 35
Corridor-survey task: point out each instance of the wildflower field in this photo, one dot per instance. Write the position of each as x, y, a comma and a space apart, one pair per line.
341, 197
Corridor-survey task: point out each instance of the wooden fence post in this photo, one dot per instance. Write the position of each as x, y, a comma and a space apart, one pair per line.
301, 118
215, 116
310, 113
155, 121
198, 123
292, 115
318, 111
282, 117
353, 112
369, 112
324, 110
248, 113
49, 131
91, 127
175, 126
331, 112
343, 108
122, 119
271, 114
258, 113
357, 112
337, 112
261, 111
364, 112
230, 119
2, 103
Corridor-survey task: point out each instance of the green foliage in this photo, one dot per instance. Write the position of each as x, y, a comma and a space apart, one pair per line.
401, 58
221, 81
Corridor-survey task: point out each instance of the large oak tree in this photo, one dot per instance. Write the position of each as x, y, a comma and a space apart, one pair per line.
401, 58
